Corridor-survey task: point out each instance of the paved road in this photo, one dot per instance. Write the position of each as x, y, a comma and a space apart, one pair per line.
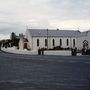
24, 72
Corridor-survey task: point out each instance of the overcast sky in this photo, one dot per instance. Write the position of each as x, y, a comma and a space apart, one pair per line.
17, 15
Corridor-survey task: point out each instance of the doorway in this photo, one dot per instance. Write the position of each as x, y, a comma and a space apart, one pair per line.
85, 44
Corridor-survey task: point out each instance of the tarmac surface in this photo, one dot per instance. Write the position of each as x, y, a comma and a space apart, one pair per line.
34, 72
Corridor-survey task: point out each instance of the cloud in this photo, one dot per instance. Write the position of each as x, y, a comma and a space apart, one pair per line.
70, 9
4, 36
15, 15
72, 24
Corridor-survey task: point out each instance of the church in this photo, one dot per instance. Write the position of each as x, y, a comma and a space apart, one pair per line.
46, 38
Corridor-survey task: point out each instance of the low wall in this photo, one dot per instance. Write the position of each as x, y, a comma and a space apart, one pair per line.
56, 52
49, 52
15, 51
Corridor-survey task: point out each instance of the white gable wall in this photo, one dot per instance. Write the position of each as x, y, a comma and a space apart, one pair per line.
29, 37
21, 44
88, 38
82, 38
80, 42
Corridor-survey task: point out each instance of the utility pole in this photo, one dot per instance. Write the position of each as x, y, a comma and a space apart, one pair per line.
78, 28
70, 42
47, 39
78, 37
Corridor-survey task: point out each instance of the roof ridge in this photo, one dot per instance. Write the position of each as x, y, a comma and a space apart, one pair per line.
53, 30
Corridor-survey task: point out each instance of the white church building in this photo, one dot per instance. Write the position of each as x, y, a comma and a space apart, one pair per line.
45, 38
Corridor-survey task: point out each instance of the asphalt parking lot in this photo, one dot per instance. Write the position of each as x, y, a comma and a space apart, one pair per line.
33, 72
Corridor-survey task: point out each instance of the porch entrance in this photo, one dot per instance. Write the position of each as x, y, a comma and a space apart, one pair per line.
85, 44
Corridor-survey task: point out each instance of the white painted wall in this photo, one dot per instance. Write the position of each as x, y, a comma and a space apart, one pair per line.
41, 43
16, 51
32, 52
80, 42
21, 44
50, 42
81, 39
88, 38
29, 38
56, 52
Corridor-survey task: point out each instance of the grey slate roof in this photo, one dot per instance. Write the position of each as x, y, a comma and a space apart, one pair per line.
56, 33
84, 33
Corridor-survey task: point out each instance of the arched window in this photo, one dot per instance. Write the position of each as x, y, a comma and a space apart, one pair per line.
85, 44
37, 42
74, 42
53, 42
67, 42
60, 42
45, 42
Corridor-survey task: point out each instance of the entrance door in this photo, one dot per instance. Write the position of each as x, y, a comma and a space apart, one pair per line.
25, 45
85, 44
